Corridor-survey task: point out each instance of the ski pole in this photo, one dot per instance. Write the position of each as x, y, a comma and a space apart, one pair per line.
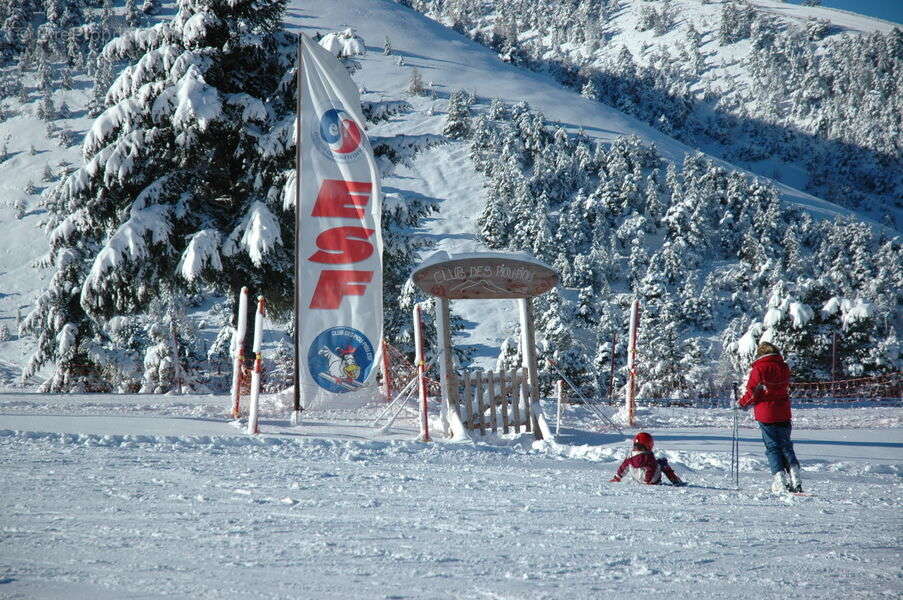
735, 440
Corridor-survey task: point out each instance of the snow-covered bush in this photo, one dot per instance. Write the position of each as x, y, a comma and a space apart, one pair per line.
344, 44
817, 28
19, 207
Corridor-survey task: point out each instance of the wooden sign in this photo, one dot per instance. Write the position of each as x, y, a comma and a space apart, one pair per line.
485, 276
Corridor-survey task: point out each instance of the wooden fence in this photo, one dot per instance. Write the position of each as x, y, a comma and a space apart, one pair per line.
495, 401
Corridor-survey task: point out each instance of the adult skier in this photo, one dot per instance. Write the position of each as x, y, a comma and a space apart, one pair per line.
643, 465
767, 391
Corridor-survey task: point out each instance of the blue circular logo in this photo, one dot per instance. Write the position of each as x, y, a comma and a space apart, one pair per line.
339, 136
340, 359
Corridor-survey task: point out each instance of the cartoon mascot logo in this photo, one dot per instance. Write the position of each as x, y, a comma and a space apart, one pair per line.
339, 136
340, 359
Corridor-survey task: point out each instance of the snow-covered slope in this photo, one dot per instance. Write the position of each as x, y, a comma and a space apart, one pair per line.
154, 497
846, 19
22, 240
450, 61
758, 84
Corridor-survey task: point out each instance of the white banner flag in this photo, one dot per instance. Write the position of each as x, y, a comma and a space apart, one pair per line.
340, 306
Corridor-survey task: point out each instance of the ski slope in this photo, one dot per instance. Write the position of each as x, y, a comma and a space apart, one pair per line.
145, 497
150, 497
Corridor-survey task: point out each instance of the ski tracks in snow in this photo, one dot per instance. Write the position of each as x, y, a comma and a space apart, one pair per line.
222, 516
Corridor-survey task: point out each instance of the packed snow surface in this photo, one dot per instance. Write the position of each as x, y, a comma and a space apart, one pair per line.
109, 497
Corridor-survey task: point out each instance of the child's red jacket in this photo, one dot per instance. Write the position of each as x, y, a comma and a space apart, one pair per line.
643, 466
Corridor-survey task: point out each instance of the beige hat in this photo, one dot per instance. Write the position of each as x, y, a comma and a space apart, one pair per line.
766, 348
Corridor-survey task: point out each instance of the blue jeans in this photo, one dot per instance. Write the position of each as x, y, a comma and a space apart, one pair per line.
778, 447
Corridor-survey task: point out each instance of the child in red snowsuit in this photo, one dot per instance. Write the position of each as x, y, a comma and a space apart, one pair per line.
643, 465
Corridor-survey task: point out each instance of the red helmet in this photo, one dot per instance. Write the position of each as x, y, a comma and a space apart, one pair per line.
645, 439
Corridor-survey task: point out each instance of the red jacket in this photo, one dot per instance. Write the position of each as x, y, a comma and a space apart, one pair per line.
768, 389
643, 466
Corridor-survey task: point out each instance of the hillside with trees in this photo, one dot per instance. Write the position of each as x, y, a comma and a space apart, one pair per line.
805, 102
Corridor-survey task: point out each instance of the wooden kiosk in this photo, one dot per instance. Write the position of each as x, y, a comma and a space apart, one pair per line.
478, 402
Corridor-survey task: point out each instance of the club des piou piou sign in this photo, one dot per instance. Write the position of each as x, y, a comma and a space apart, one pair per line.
485, 277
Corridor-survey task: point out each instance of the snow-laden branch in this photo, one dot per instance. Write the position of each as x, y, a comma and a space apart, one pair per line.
132, 241
259, 232
202, 252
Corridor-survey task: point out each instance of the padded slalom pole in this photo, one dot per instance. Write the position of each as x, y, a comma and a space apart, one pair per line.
421, 375
258, 365
239, 351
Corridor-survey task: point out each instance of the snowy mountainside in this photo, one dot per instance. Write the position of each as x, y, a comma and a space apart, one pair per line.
454, 63
771, 87
32, 145
446, 174
23, 241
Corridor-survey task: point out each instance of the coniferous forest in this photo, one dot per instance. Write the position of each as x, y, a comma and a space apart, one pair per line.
714, 257
832, 105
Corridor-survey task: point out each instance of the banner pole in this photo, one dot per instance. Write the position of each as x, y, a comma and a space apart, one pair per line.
296, 406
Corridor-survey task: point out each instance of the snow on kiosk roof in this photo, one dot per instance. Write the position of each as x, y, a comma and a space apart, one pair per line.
484, 275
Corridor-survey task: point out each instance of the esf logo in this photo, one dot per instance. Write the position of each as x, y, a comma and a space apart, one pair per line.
338, 136
340, 359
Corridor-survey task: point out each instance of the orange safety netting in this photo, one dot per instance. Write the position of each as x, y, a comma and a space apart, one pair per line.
402, 371
882, 386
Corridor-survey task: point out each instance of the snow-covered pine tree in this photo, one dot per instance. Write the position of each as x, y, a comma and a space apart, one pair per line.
559, 348
590, 90
186, 163
169, 359
401, 216
457, 123
103, 79
150, 7
415, 84
279, 368
46, 110
132, 15
497, 109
